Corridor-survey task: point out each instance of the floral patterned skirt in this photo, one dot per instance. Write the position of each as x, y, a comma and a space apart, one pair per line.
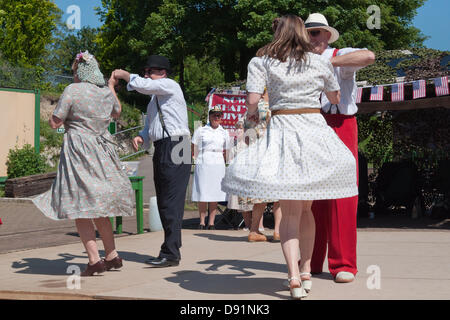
90, 182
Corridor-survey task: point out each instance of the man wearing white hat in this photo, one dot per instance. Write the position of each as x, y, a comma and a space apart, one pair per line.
336, 219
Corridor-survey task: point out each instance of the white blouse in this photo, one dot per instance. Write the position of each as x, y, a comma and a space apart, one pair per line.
292, 84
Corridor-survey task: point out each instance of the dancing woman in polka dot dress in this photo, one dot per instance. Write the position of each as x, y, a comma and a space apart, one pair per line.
300, 158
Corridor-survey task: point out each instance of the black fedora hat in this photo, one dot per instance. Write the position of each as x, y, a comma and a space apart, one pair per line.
158, 62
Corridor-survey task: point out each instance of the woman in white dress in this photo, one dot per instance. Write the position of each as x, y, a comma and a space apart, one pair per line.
209, 144
233, 201
300, 158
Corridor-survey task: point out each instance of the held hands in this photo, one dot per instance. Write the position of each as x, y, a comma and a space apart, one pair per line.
113, 81
136, 142
122, 74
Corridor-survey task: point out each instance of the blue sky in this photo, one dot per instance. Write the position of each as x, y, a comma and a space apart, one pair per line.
88, 16
432, 19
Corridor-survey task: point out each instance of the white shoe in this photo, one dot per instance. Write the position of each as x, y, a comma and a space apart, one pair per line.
307, 284
261, 229
344, 277
297, 293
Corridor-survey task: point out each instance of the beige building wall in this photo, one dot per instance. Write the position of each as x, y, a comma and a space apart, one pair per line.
16, 123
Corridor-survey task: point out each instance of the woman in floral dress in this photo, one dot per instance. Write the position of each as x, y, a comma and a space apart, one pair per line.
90, 185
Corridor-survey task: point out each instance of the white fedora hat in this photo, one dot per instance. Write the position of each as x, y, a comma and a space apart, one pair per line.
318, 21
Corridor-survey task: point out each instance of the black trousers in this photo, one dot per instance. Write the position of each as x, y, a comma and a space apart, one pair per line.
171, 180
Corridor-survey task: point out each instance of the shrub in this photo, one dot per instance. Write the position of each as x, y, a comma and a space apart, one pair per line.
375, 138
24, 162
52, 138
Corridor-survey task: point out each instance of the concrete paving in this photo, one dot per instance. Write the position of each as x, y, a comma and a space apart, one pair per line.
36, 255
221, 264
398, 258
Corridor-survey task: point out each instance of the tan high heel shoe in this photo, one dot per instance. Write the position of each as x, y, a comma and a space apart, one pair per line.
296, 292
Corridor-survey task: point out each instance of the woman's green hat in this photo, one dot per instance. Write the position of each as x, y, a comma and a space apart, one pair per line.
88, 70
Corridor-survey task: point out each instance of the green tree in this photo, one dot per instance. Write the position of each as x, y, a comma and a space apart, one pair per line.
232, 30
123, 23
201, 75
349, 17
67, 44
26, 28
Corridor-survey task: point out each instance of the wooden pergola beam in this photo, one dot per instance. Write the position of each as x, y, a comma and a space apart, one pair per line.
435, 102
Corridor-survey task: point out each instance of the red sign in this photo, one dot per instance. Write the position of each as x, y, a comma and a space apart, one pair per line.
233, 107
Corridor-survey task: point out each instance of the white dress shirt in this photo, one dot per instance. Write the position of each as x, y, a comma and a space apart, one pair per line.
171, 102
346, 77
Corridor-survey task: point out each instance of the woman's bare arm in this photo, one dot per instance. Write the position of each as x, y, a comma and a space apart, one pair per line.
112, 82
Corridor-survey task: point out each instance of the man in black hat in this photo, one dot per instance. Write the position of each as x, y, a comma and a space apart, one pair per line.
166, 125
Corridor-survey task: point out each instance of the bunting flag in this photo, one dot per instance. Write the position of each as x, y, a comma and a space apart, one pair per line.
359, 95
441, 86
419, 89
376, 93
398, 92
209, 94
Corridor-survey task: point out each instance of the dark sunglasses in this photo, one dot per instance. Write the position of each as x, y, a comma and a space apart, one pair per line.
314, 33
217, 115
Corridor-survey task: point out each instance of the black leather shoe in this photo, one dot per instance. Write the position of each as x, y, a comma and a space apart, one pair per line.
163, 263
211, 227
201, 227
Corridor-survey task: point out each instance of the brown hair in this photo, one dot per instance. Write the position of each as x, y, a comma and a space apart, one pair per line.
290, 40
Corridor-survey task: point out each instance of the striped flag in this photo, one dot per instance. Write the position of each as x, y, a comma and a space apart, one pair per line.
419, 89
441, 86
209, 94
376, 93
398, 92
359, 95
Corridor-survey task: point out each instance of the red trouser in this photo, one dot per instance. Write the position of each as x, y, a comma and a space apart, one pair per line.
336, 218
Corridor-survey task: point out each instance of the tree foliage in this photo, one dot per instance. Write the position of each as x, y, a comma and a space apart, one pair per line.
232, 30
26, 28
66, 45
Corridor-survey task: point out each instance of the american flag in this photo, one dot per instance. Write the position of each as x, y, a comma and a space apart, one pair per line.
441, 86
376, 93
209, 94
359, 95
419, 89
398, 92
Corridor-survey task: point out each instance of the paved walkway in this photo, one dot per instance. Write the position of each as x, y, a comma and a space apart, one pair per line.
219, 264
398, 258
222, 265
